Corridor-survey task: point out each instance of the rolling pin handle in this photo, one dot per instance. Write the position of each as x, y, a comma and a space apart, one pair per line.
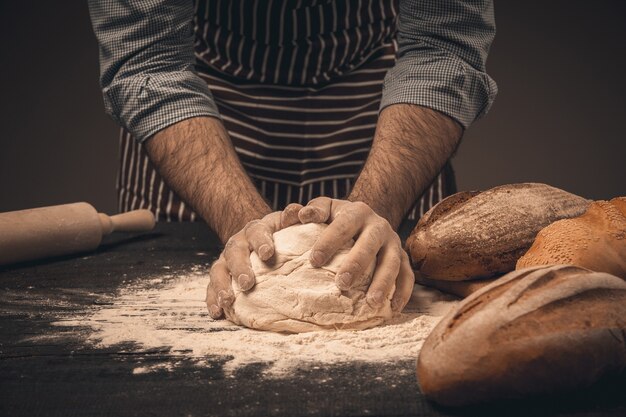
132, 221
107, 224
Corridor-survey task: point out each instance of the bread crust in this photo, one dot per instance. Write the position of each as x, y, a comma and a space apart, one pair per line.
596, 240
533, 331
478, 235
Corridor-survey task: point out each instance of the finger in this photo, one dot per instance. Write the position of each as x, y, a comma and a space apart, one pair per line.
389, 260
237, 256
339, 232
272, 220
404, 285
289, 215
362, 254
211, 302
259, 236
316, 211
219, 291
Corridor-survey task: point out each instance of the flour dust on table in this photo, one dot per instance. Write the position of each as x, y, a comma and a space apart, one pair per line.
169, 312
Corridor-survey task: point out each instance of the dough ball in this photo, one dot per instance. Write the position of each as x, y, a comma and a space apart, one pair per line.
292, 296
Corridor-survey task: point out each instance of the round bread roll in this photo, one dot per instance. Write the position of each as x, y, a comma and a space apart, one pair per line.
292, 296
534, 331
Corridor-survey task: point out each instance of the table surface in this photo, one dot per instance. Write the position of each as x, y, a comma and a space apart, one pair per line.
46, 370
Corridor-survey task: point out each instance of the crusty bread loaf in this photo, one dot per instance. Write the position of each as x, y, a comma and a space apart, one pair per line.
534, 331
470, 235
596, 240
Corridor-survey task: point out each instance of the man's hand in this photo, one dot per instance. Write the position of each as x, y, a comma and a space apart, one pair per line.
234, 261
375, 240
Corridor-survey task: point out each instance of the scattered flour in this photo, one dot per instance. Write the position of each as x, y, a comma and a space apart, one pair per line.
171, 314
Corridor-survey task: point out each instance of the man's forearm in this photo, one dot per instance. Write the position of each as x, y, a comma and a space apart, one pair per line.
197, 160
411, 146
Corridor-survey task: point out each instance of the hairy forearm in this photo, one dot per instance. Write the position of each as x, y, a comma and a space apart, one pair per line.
411, 146
197, 160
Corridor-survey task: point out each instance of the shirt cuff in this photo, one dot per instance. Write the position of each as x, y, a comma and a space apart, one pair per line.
147, 103
442, 83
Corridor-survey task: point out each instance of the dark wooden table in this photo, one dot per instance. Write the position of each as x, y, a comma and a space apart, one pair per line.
61, 375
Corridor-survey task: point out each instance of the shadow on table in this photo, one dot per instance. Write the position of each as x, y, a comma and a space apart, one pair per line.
605, 398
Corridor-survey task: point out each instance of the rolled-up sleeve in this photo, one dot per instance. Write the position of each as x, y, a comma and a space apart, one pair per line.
442, 54
147, 64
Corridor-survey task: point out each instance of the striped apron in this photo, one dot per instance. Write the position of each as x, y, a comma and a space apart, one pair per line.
298, 84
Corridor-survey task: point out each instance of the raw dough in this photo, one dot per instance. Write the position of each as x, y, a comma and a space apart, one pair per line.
291, 296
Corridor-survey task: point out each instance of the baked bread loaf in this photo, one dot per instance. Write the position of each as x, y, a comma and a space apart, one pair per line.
534, 331
596, 240
481, 234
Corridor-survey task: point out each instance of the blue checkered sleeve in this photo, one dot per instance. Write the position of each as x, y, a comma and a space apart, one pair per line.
442, 54
146, 64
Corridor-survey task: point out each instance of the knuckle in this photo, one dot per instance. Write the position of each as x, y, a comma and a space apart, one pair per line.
347, 214
252, 232
292, 207
378, 231
310, 211
395, 240
360, 207
319, 201
291, 211
236, 244
313, 201
395, 259
260, 234
252, 223
271, 220
371, 245
342, 227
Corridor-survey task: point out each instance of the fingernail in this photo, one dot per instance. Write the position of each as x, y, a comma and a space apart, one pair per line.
317, 258
244, 282
344, 281
305, 214
308, 215
224, 298
214, 311
375, 299
265, 252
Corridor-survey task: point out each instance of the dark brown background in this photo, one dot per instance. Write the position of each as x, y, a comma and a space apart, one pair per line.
559, 118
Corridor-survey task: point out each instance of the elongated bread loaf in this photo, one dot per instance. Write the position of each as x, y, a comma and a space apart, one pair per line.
533, 331
596, 240
480, 234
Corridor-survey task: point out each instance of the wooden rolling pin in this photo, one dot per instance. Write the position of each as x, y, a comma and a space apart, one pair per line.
62, 230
